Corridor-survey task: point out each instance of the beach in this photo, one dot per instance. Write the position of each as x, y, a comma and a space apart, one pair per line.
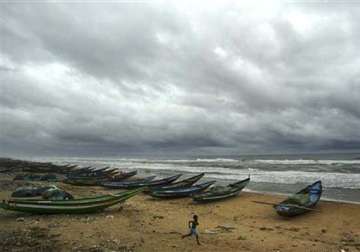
146, 224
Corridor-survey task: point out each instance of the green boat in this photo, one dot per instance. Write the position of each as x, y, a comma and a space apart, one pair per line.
80, 201
84, 181
302, 202
89, 207
221, 192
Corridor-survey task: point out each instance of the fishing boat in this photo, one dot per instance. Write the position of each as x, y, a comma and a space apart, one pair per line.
99, 177
122, 175
180, 184
92, 172
69, 167
148, 183
79, 201
30, 191
81, 170
91, 179
221, 192
90, 207
83, 181
182, 192
126, 184
301, 202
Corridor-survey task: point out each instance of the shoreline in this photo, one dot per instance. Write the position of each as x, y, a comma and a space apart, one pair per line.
288, 194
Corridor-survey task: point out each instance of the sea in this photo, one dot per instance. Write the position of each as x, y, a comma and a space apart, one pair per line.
273, 174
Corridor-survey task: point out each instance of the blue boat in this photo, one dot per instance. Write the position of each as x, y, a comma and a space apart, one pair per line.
301, 202
182, 192
148, 182
180, 184
217, 193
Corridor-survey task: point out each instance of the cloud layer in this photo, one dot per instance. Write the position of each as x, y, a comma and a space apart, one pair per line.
125, 78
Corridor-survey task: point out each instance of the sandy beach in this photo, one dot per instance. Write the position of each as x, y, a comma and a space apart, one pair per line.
146, 224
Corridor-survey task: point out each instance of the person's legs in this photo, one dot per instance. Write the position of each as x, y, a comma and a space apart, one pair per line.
197, 239
187, 235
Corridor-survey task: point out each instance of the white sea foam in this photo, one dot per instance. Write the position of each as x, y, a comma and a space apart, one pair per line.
211, 160
305, 162
330, 180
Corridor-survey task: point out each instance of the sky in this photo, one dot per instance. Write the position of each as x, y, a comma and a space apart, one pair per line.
124, 78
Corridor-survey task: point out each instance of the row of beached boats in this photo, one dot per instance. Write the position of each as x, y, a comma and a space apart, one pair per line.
13, 165
165, 188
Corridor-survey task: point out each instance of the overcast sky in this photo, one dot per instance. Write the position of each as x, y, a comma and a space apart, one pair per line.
223, 77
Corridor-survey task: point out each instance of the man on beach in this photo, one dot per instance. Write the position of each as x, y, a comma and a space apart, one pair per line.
192, 226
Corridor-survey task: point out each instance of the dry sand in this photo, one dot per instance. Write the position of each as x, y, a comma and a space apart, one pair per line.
145, 224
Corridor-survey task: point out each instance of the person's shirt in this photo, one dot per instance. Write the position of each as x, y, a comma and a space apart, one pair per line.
194, 224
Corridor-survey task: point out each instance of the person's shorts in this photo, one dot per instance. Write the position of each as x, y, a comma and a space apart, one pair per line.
193, 231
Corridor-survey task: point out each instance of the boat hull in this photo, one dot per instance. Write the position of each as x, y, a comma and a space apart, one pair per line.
67, 209
180, 193
180, 184
147, 183
232, 191
73, 202
288, 209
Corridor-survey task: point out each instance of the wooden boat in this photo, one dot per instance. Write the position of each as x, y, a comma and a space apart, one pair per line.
161, 182
220, 192
180, 184
83, 181
301, 202
146, 183
182, 192
67, 209
81, 170
115, 172
122, 175
81, 177
25, 192
79, 201
91, 179
126, 184
91, 172
97, 174
70, 167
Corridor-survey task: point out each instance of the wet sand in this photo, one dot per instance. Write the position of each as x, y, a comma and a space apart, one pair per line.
145, 224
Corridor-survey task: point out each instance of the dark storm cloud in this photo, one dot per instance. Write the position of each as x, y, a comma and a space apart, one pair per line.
113, 78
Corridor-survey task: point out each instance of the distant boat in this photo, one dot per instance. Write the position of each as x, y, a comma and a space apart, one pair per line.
83, 181
301, 202
220, 192
127, 183
122, 175
182, 192
145, 183
180, 184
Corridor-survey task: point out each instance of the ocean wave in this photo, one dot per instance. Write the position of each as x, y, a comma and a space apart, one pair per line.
211, 160
330, 180
305, 162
